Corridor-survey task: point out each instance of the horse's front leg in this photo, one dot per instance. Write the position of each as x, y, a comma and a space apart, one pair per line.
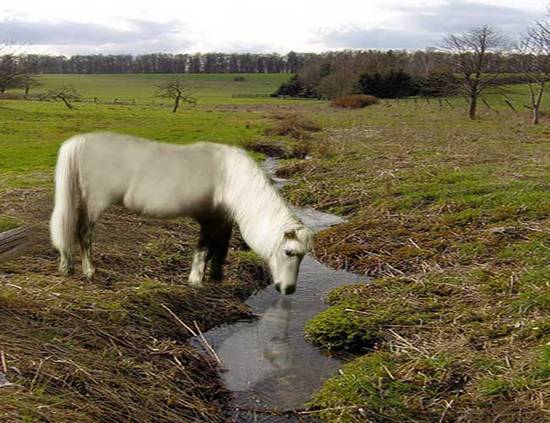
200, 260
219, 248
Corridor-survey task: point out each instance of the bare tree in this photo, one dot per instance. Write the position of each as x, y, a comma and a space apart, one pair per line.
534, 63
26, 82
66, 94
177, 90
10, 70
472, 54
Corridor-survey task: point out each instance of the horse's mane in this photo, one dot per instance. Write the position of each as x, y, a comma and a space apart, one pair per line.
254, 204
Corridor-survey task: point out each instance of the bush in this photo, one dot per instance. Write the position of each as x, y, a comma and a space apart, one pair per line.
391, 85
239, 79
295, 88
356, 101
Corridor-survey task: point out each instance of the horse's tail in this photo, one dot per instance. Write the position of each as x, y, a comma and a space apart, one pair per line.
63, 223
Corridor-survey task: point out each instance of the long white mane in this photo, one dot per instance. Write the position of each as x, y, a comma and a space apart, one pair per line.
255, 205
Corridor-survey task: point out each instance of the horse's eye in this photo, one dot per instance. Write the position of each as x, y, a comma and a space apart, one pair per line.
290, 253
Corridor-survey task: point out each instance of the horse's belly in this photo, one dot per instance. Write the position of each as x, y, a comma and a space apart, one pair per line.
166, 202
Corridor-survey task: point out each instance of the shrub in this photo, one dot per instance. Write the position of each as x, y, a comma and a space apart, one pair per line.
295, 88
356, 101
239, 79
391, 85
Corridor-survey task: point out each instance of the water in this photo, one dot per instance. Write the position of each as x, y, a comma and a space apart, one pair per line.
267, 363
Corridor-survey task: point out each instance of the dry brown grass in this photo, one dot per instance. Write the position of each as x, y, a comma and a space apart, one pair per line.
108, 351
292, 125
356, 101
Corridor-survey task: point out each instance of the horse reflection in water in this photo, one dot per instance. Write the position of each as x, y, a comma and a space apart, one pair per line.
269, 343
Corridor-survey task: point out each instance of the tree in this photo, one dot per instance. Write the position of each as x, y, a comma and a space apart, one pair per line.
26, 82
177, 90
10, 70
472, 55
64, 93
534, 63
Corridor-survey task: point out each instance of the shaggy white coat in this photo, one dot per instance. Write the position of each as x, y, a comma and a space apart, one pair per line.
212, 183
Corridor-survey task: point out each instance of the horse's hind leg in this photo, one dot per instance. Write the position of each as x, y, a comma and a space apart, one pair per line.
85, 231
218, 247
200, 259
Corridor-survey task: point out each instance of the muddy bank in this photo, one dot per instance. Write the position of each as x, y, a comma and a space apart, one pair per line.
109, 350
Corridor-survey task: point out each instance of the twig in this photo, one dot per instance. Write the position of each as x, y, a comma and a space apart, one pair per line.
206, 344
177, 319
448, 405
4, 365
197, 333
405, 341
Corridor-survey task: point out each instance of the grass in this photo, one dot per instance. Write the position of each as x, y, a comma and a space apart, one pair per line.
210, 89
451, 218
108, 351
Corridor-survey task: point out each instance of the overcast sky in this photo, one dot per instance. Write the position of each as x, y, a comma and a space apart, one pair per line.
184, 26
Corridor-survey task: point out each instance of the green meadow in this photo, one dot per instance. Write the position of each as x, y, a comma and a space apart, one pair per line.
208, 88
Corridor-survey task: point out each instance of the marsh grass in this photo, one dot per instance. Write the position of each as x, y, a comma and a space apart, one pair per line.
108, 350
452, 218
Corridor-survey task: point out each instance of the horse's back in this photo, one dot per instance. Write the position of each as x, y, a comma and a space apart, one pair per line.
148, 177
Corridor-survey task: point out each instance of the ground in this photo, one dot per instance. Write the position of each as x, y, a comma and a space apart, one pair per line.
449, 216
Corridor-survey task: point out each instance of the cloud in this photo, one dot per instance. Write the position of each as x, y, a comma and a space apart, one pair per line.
459, 15
376, 38
136, 36
420, 27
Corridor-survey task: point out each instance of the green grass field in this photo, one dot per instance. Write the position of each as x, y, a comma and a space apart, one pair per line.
449, 215
208, 88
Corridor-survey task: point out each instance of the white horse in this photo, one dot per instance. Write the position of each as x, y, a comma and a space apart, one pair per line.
213, 183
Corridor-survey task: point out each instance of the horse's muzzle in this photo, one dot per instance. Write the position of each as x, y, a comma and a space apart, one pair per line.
287, 290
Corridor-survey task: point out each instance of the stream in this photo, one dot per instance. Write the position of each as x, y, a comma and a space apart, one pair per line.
267, 363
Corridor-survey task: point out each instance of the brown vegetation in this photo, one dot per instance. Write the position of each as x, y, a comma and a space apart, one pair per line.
292, 125
357, 101
109, 350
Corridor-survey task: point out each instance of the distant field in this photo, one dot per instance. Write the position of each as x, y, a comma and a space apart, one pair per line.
208, 88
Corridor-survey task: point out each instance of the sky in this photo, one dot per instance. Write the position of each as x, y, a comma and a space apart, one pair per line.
183, 26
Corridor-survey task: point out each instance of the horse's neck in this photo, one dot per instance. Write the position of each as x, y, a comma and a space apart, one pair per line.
255, 205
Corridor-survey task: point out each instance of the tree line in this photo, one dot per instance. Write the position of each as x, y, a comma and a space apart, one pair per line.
165, 63
418, 62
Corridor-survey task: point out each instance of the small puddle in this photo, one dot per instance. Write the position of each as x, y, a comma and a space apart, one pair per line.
267, 363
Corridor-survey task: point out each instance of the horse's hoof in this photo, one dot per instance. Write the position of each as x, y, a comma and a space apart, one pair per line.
66, 271
89, 274
195, 283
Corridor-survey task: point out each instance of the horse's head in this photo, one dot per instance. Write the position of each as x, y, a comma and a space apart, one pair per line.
285, 260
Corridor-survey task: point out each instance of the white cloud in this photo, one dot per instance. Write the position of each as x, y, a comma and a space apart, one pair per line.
135, 26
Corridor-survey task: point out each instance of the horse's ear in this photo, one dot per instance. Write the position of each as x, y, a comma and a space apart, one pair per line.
290, 234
